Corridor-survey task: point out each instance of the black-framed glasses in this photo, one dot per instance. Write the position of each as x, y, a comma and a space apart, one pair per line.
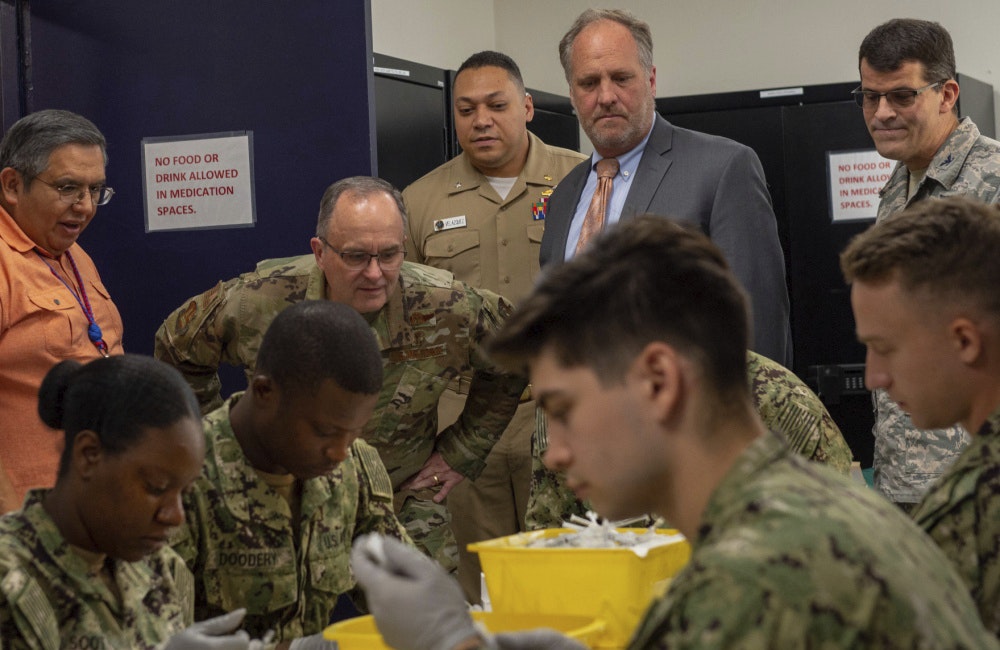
72, 193
388, 260
899, 98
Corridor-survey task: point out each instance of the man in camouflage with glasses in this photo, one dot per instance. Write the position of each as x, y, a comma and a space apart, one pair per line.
429, 326
909, 97
53, 305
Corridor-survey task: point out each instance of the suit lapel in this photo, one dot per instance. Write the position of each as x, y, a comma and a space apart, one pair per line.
570, 186
653, 166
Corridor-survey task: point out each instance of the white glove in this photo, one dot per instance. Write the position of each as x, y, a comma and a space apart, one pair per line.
212, 634
542, 639
314, 642
416, 605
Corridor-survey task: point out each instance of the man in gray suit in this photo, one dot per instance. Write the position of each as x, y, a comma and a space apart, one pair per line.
709, 181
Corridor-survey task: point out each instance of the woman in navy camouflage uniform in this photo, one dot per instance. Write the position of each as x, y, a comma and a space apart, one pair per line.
85, 564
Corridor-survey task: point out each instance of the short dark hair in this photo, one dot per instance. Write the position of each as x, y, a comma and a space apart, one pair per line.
360, 186
947, 248
646, 279
30, 142
315, 340
492, 59
639, 29
891, 44
117, 397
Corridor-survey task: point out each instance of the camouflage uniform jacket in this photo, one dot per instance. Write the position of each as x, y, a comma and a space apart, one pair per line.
239, 542
430, 331
785, 404
50, 598
961, 512
790, 555
908, 460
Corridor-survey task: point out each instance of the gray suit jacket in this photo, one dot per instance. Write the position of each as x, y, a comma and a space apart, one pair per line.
718, 184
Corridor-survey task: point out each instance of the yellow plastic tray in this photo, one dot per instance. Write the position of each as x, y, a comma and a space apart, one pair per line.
360, 633
614, 585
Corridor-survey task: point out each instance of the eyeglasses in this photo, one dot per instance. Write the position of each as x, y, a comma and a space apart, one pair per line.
389, 260
900, 98
73, 194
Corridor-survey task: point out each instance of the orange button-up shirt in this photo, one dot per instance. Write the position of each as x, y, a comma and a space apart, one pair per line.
41, 323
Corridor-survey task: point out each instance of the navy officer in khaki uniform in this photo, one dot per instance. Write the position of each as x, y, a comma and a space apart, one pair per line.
481, 216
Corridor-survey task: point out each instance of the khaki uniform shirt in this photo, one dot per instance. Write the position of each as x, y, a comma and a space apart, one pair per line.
908, 460
458, 222
240, 543
790, 555
51, 599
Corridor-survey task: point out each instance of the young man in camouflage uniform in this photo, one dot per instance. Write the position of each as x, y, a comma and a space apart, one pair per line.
650, 411
481, 216
909, 97
924, 292
430, 329
783, 402
287, 485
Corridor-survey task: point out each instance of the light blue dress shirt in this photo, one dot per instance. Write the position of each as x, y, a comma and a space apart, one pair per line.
627, 166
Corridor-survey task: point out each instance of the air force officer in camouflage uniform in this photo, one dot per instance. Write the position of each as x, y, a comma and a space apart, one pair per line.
909, 97
430, 329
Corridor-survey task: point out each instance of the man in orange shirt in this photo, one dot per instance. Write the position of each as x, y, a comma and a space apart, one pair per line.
53, 305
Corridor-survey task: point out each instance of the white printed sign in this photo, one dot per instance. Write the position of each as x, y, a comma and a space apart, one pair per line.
198, 181
855, 180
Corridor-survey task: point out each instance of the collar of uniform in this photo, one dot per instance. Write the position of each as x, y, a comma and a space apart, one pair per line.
245, 494
950, 158
962, 476
463, 177
11, 233
135, 579
536, 171
239, 486
401, 324
74, 567
316, 287
758, 456
390, 326
537, 168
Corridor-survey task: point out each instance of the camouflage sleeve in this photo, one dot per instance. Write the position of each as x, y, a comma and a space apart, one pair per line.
375, 506
169, 564
959, 512
493, 394
550, 501
20, 630
198, 336
28, 618
718, 610
787, 406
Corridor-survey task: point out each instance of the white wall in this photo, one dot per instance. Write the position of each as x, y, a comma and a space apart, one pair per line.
441, 33
700, 46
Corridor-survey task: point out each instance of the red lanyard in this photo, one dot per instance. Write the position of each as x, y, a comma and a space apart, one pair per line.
93, 330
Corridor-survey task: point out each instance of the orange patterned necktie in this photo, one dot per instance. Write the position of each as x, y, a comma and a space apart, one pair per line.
593, 222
